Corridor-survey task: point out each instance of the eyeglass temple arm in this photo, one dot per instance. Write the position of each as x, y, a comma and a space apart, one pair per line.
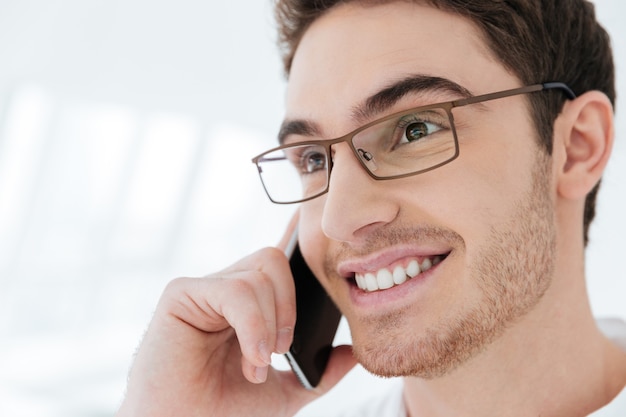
513, 92
562, 86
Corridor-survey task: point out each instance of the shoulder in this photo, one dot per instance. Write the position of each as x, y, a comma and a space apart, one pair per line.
614, 329
616, 408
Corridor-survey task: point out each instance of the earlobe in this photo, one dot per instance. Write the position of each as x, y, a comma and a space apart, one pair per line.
584, 131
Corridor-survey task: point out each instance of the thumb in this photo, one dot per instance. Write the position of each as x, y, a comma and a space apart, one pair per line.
340, 363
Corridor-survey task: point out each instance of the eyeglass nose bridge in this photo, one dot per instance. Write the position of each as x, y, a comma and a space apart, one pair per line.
365, 158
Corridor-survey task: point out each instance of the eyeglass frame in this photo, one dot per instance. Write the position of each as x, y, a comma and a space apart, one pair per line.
447, 106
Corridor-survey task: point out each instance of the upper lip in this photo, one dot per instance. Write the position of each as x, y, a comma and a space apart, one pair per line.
389, 256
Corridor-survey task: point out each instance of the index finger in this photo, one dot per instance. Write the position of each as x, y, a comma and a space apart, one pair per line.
285, 300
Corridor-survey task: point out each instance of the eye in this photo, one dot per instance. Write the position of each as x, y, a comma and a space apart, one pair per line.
415, 131
312, 161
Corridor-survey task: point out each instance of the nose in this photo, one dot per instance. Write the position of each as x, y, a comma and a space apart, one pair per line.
355, 203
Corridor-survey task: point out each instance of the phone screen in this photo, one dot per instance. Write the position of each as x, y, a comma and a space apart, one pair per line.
316, 322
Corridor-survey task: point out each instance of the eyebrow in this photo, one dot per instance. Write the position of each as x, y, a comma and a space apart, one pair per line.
390, 95
298, 127
379, 102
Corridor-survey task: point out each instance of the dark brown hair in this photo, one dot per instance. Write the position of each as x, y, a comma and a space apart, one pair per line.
537, 40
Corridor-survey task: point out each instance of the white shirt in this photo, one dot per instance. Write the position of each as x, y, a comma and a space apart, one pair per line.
614, 329
391, 404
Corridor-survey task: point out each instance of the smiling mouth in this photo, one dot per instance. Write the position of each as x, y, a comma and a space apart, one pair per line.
386, 278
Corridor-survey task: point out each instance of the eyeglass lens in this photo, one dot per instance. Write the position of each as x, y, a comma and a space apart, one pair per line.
410, 142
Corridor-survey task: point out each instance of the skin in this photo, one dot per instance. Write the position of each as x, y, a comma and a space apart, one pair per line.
205, 355
501, 212
463, 300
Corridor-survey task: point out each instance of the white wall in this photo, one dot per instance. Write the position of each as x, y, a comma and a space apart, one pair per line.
119, 121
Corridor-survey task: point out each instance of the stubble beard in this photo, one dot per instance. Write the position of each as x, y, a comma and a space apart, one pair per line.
513, 272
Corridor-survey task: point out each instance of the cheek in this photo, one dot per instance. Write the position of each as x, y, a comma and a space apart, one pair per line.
495, 167
476, 192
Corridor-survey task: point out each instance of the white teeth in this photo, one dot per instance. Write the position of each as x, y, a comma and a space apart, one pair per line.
399, 275
384, 278
360, 281
413, 269
370, 282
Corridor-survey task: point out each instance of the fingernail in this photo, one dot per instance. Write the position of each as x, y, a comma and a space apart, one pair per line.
260, 373
283, 340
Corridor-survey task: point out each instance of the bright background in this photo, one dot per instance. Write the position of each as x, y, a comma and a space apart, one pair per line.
126, 132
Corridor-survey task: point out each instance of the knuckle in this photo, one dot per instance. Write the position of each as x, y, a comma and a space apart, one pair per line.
241, 287
177, 286
249, 284
272, 254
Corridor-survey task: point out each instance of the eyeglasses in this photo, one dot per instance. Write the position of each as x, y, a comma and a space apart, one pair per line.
402, 144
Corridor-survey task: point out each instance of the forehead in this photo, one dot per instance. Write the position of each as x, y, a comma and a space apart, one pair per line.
353, 51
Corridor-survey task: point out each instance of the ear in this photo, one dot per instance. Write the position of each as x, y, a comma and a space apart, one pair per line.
584, 133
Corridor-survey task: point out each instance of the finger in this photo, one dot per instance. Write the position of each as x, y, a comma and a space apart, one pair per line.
273, 267
285, 295
254, 374
247, 304
277, 269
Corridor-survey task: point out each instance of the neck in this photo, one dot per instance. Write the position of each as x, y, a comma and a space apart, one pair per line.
552, 362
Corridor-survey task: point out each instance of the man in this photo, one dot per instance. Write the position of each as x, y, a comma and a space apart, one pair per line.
491, 195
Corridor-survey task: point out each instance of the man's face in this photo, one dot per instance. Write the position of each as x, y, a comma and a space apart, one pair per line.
484, 221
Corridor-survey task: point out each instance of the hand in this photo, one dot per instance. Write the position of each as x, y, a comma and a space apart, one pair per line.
207, 350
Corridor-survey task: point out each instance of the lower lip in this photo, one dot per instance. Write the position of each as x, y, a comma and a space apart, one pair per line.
361, 298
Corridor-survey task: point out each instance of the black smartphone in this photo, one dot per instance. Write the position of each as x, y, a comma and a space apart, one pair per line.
316, 322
